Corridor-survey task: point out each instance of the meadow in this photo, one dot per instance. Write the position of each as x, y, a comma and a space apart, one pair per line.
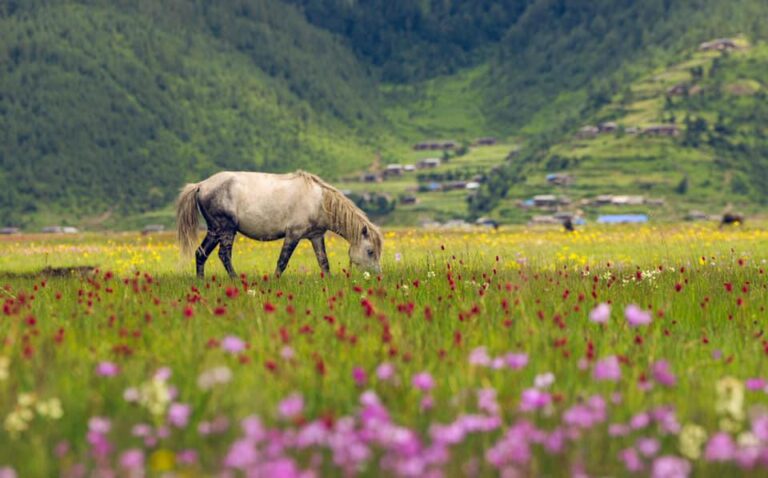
520, 352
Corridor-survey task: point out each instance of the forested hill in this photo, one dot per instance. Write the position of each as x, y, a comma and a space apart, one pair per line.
111, 105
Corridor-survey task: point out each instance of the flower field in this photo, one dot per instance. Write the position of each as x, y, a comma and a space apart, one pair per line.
636, 351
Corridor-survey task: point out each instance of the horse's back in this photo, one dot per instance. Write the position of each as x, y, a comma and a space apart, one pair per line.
263, 205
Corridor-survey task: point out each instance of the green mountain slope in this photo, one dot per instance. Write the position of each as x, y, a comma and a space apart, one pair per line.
111, 105
105, 106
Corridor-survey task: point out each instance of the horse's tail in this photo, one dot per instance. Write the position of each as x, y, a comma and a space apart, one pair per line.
186, 218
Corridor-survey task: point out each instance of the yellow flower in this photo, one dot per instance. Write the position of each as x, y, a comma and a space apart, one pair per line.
162, 460
691, 438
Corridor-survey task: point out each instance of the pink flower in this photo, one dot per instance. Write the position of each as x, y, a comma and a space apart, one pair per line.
720, 448
187, 457
7, 472
132, 459
533, 399
760, 427
232, 344
358, 374
516, 361
663, 375
486, 401
631, 459
385, 371
178, 414
637, 316
670, 467
600, 314
755, 384
291, 406
427, 402
607, 369
423, 381
107, 369
648, 447
479, 356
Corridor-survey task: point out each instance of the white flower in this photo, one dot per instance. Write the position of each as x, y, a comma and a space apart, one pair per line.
544, 380
366, 275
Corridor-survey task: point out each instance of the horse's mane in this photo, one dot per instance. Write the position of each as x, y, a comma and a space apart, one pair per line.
344, 217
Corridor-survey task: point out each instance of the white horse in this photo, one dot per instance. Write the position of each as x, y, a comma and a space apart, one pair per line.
267, 207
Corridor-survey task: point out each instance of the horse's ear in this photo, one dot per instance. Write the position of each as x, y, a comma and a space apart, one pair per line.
364, 232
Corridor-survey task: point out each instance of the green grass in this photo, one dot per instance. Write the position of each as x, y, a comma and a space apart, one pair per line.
548, 280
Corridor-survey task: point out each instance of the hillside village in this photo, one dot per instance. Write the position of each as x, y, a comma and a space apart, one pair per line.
617, 169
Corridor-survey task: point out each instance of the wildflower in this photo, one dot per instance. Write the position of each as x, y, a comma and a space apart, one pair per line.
544, 380
291, 406
131, 394
366, 275
532, 399
486, 401
50, 408
385, 371
479, 356
155, 396
178, 414
423, 381
232, 344
648, 447
7, 472
287, 352
107, 369
600, 314
720, 448
755, 384
213, 377
670, 467
398, 257
358, 374
427, 402
132, 459
663, 375
730, 398
607, 369
516, 361
636, 316
631, 459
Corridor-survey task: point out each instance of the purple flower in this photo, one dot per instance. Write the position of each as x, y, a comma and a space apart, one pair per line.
720, 448
423, 381
670, 467
7, 472
755, 384
187, 457
600, 314
253, 428
232, 344
533, 399
760, 427
291, 406
427, 402
516, 361
358, 374
663, 375
132, 459
631, 459
99, 425
479, 356
486, 401
648, 447
385, 371
637, 316
639, 421
607, 369
163, 374
107, 369
178, 414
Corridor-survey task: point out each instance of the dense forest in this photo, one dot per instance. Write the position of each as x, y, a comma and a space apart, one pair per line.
111, 105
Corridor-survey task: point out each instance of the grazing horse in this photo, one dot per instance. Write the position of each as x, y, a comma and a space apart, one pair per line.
731, 218
267, 207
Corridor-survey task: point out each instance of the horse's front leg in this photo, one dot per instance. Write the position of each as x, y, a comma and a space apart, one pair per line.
318, 244
289, 245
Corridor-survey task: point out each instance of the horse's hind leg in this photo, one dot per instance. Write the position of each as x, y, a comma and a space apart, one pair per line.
202, 252
226, 239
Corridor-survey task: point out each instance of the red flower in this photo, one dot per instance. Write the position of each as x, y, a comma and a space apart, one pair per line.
268, 307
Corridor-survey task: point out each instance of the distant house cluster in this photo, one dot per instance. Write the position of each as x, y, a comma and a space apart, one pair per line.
435, 145
590, 131
397, 170
719, 44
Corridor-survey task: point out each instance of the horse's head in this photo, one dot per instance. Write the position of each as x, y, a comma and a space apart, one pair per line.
365, 252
